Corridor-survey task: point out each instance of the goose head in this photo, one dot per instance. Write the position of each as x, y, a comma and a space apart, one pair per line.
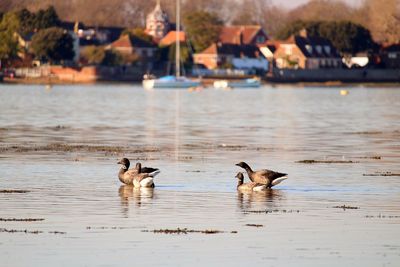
125, 163
240, 176
242, 165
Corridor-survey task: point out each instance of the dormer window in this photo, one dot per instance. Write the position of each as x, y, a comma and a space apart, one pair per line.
319, 49
260, 39
309, 49
327, 49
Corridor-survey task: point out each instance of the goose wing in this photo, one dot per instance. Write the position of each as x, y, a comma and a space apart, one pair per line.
271, 175
148, 170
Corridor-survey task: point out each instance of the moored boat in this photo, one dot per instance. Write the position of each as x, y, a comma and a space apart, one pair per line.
246, 83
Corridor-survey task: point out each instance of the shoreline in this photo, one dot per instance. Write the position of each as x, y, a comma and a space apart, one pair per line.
206, 82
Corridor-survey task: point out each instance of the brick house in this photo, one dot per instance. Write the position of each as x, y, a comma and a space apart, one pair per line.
231, 55
170, 38
130, 45
304, 52
243, 34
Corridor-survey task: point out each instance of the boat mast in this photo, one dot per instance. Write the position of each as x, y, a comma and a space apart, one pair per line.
177, 44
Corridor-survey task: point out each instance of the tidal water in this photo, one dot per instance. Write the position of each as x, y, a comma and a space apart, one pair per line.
62, 145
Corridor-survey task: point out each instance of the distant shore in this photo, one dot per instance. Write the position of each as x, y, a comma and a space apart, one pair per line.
206, 82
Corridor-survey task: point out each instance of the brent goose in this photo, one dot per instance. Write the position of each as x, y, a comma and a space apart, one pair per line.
139, 176
252, 186
266, 177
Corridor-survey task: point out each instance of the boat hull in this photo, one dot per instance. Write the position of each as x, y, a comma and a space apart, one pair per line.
249, 83
169, 84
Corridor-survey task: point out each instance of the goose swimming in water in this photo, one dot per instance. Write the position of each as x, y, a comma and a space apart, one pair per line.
252, 186
139, 176
266, 177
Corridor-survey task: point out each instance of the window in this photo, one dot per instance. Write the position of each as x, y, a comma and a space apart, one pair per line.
327, 49
392, 55
319, 49
260, 39
309, 49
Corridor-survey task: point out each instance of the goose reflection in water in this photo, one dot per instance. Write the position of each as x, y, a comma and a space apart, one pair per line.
262, 200
140, 196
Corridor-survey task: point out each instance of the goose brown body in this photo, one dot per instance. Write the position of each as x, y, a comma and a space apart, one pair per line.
252, 186
264, 176
137, 175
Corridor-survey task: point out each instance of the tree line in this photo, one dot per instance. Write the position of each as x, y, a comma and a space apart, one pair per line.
380, 17
202, 23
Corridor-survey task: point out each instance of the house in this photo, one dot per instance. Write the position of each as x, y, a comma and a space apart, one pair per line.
220, 55
92, 35
243, 34
24, 42
305, 52
390, 56
129, 45
170, 38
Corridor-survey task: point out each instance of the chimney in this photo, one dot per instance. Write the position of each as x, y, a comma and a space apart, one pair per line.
241, 35
303, 33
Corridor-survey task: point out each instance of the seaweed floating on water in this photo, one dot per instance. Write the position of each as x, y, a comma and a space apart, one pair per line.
185, 231
344, 207
381, 174
78, 148
108, 227
380, 216
4, 230
369, 157
311, 161
12, 191
21, 220
12, 231
271, 211
254, 225
57, 232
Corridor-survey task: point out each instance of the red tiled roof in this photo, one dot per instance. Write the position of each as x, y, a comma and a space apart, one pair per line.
231, 34
250, 51
212, 49
170, 38
123, 41
127, 41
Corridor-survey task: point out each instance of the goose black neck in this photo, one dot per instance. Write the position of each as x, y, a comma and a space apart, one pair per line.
247, 168
240, 182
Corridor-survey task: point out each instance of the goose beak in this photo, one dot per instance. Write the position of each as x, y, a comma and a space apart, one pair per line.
119, 162
237, 164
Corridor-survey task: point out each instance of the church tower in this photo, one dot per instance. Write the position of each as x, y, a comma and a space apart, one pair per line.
157, 24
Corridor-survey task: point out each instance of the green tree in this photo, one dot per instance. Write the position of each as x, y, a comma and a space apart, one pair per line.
9, 43
139, 33
112, 58
46, 18
32, 22
184, 53
93, 54
203, 29
53, 44
98, 55
346, 36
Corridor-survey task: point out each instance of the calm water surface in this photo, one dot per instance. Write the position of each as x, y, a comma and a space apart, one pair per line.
63, 144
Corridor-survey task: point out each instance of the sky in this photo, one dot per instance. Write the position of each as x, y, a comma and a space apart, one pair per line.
296, 3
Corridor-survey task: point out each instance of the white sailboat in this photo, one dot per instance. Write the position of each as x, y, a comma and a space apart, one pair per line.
177, 81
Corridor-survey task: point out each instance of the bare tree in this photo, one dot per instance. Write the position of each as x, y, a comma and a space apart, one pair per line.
383, 20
